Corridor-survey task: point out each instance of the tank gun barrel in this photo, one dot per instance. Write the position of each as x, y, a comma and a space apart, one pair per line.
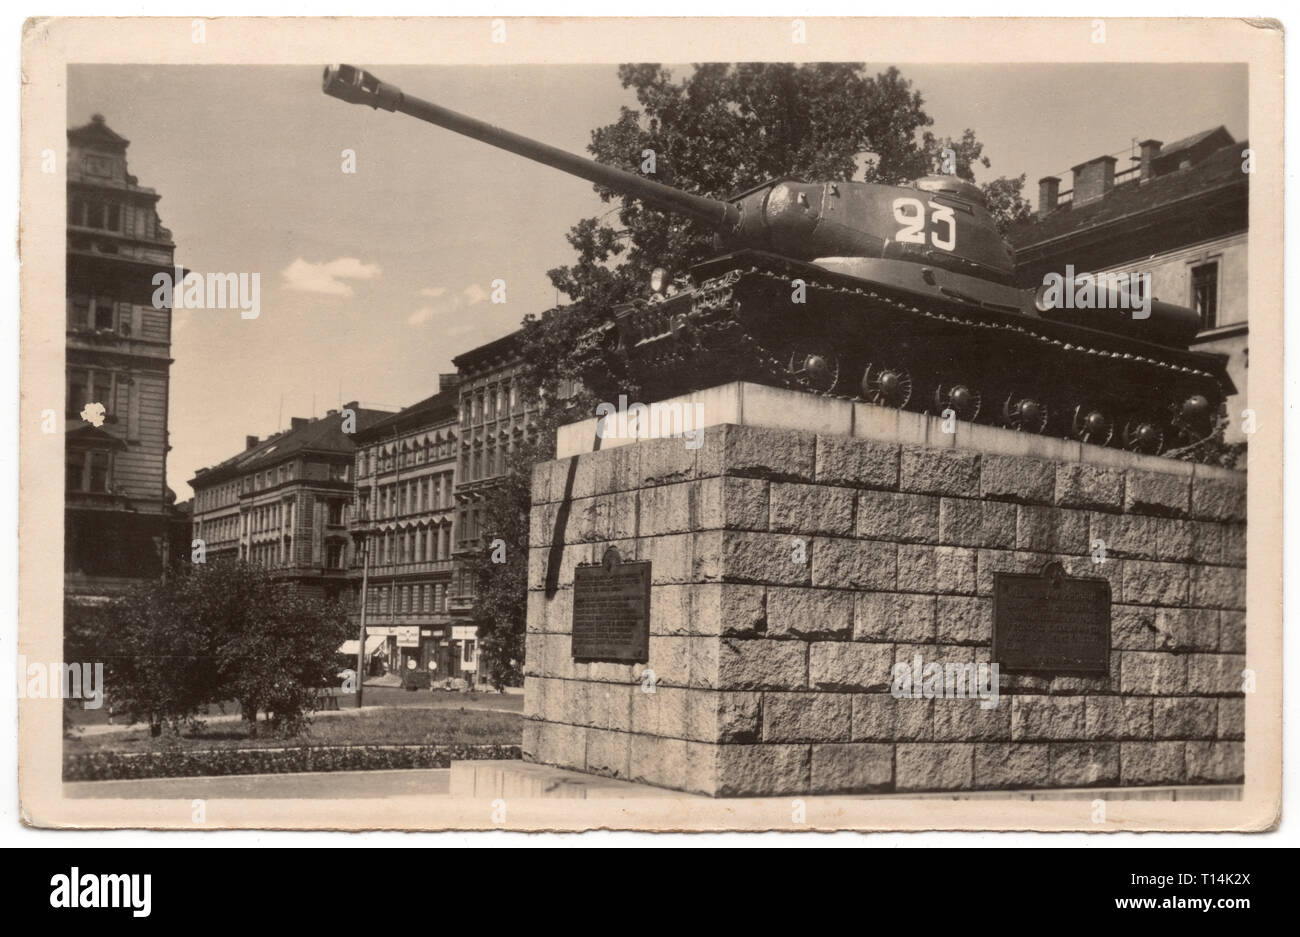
357, 86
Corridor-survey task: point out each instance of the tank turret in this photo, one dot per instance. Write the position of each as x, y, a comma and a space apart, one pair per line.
902, 296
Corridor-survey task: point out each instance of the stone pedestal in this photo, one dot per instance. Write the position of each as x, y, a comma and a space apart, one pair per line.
804, 545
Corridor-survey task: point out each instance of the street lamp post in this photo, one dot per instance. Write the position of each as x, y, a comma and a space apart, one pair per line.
362, 542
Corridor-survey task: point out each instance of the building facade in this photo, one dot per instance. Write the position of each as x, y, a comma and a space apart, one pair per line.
1179, 213
496, 418
285, 502
120, 525
404, 511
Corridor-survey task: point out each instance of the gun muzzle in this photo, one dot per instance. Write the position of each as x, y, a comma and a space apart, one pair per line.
357, 86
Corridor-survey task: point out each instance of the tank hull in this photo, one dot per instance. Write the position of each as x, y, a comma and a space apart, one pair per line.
899, 337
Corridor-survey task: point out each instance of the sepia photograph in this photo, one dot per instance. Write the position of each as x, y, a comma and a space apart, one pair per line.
766, 424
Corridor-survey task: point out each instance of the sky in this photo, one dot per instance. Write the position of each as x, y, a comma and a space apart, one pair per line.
371, 282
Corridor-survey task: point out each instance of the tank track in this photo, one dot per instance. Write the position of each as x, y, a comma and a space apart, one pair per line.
739, 324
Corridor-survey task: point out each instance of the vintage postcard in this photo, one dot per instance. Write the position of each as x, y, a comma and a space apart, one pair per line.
655, 424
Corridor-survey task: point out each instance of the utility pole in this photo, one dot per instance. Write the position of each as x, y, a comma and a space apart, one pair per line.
363, 541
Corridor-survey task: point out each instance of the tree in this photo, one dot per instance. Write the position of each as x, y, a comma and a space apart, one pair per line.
500, 569
217, 632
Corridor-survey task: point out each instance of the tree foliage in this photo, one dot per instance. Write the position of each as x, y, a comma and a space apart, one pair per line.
217, 632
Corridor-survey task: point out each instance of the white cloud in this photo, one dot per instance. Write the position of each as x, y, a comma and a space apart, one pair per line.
449, 302
328, 278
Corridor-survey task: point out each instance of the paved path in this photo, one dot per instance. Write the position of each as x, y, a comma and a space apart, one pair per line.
413, 782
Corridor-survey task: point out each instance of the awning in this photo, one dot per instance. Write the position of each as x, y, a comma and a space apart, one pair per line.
373, 643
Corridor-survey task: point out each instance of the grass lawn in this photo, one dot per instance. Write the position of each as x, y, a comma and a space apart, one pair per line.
388, 726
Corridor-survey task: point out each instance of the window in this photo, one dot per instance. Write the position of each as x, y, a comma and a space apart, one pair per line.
336, 512
469, 652
88, 471
104, 312
79, 312
334, 555
1205, 293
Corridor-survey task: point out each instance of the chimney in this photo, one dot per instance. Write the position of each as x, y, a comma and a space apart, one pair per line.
1049, 189
297, 422
448, 382
1093, 179
250, 442
352, 405
1150, 149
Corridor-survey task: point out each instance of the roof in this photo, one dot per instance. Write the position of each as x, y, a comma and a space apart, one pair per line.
504, 347
1217, 170
321, 435
1187, 143
98, 132
440, 408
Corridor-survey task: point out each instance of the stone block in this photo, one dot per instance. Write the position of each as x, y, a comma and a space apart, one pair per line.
943, 570
1187, 717
899, 517
880, 716
1010, 765
850, 665
1047, 717
1013, 478
1084, 764
801, 717
811, 509
1232, 719
934, 766
1051, 530
794, 612
1157, 493
932, 471
963, 620
852, 767
762, 665
967, 523
1217, 587
853, 564
1081, 485
856, 463
746, 556
1152, 763
966, 720
1152, 673
757, 452
893, 616
1217, 500
763, 770
1216, 762
1215, 674
1149, 583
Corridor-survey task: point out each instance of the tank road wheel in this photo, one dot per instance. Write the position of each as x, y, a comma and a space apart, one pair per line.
1092, 424
962, 397
1144, 434
815, 366
887, 385
1026, 414
1193, 418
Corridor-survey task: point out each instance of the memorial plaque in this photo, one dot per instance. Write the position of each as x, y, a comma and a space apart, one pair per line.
1049, 621
611, 610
